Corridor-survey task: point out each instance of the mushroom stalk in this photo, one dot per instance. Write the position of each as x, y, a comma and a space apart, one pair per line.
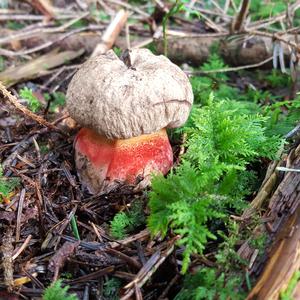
104, 163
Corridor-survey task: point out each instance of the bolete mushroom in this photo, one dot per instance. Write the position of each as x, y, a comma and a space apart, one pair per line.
125, 106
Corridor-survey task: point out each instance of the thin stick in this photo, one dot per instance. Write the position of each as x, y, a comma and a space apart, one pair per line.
22, 35
233, 69
19, 214
60, 38
22, 248
111, 33
275, 37
140, 281
14, 101
26, 17
130, 7
240, 19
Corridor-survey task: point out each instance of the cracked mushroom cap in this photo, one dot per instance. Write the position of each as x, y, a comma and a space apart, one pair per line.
138, 94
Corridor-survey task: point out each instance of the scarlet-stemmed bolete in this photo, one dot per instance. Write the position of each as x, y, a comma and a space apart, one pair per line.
125, 106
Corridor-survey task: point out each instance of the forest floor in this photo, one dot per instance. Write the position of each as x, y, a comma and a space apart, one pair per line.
102, 246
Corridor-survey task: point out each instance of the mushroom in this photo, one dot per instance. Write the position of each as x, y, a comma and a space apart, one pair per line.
125, 106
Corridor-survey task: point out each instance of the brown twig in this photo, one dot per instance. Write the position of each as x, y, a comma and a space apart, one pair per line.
274, 36
14, 101
265, 22
48, 44
27, 17
130, 7
19, 214
22, 248
238, 22
147, 271
130, 260
22, 35
233, 69
167, 289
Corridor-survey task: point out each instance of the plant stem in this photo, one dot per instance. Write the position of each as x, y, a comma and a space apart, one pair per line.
75, 228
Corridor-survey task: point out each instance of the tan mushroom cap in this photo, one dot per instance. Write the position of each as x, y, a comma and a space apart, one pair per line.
120, 101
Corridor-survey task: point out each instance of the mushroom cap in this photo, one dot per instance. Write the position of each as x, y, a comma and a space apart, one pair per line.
138, 95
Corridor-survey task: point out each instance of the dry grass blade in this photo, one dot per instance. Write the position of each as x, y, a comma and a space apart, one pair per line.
263, 194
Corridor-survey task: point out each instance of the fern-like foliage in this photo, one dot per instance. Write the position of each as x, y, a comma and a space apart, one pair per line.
260, 9
207, 284
56, 292
33, 103
284, 116
125, 222
119, 224
216, 82
226, 279
222, 140
221, 143
111, 289
7, 185
180, 202
278, 79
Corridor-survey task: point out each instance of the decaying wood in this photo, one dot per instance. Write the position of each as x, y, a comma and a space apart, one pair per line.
193, 50
60, 257
7, 258
236, 50
263, 195
37, 67
284, 215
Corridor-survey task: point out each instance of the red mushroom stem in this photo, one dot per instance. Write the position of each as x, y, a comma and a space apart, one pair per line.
102, 162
